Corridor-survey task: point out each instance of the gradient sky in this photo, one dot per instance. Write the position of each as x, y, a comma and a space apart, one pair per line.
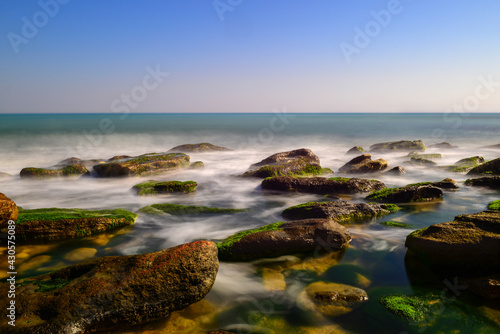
263, 55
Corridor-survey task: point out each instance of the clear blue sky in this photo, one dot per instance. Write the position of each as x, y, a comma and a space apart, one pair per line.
262, 55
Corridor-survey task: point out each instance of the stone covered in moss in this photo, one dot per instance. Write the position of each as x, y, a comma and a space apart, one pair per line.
146, 164
43, 173
152, 187
492, 182
422, 162
443, 145
466, 164
397, 171
178, 210
282, 238
54, 223
113, 292
339, 211
197, 165
395, 224
355, 150
488, 168
403, 145
363, 164
429, 156
198, 148
410, 193
495, 205
414, 308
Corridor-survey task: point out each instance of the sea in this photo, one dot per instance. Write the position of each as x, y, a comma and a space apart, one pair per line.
243, 299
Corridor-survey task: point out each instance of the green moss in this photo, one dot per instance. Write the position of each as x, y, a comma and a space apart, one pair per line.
391, 207
47, 285
74, 170
197, 165
311, 170
151, 157
418, 184
226, 245
495, 205
177, 210
395, 224
154, 188
410, 307
379, 194
417, 233
339, 179
55, 214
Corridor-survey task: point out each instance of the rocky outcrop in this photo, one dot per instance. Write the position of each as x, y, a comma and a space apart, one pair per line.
147, 164
53, 223
321, 185
488, 168
443, 145
285, 238
466, 164
470, 244
403, 145
398, 170
152, 188
411, 193
8, 211
355, 150
198, 148
339, 211
492, 182
363, 164
292, 163
43, 173
113, 292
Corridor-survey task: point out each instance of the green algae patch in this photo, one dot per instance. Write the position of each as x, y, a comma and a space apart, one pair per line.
178, 210
152, 187
495, 205
56, 214
340, 179
379, 194
414, 308
226, 245
395, 224
391, 207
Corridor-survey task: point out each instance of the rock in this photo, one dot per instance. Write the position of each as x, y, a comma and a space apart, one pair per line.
151, 187
291, 163
198, 148
398, 170
53, 223
403, 145
42, 173
414, 308
443, 145
395, 224
179, 210
489, 168
321, 185
197, 165
469, 244
447, 184
4, 175
113, 292
284, 238
80, 254
147, 164
495, 205
119, 157
8, 211
356, 150
339, 211
415, 154
466, 164
363, 164
78, 161
422, 162
486, 287
332, 299
410, 193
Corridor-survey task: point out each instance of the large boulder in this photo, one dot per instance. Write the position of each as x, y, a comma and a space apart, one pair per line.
151, 187
8, 210
466, 164
297, 162
488, 168
54, 223
198, 148
492, 182
43, 173
363, 164
321, 185
403, 145
113, 292
146, 164
285, 238
339, 211
469, 244
410, 193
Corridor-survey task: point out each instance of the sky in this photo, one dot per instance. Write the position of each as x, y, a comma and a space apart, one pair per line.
75, 56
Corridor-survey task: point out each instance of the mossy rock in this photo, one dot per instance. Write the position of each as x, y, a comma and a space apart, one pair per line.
349, 274
55, 223
197, 165
44, 173
414, 308
418, 192
355, 150
466, 164
403, 145
495, 205
488, 168
198, 148
422, 162
428, 156
492, 182
364, 164
179, 210
151, 188
395, 224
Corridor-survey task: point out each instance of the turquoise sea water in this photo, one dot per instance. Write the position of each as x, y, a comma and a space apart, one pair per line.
239, 295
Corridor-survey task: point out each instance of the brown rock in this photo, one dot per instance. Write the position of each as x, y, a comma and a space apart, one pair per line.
8, 210
363, 164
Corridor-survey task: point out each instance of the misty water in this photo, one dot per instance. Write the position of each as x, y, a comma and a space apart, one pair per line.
239, 292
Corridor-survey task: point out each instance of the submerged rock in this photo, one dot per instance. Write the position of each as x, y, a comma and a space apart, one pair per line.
363, 164
321, 185
339, 211
488, 168
198, 148
398, 170
292, 163
422, 162
356, 150
468, 244
197, 165
146, 164
411, 193
283, 238
8, 211
425, 156
54, 223
492, 182
466, 164
112, 292
443, 145
151, 187
403, 145
179, 210
43, 173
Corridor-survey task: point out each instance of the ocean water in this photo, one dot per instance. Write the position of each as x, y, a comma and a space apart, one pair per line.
239, 293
